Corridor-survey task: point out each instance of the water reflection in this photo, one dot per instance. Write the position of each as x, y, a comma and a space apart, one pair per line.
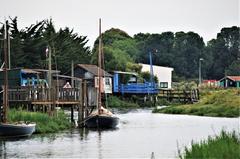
3, 150
139, 134
99, 145
83, 133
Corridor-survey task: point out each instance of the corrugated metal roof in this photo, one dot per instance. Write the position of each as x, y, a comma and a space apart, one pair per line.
44, 70
93, 69
68, 77
25, 70
127, 73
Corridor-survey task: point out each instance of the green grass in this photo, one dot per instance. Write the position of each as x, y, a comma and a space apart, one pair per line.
115, 102
218, 103
224, 146
45, 123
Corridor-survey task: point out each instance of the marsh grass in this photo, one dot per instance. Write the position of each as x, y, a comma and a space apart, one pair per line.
224, 146
220, 103
44, 123
115, 102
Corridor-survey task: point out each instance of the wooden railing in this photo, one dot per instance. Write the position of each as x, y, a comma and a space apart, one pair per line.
32, 94
180, 95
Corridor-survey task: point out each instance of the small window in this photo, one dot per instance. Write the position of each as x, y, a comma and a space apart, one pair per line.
107, 81
163, 85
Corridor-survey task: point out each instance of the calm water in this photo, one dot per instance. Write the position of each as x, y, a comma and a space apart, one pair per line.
139, 134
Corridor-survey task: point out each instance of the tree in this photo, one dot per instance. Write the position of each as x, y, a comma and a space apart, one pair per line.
28, 46
234, 68
188, 49
119, 50
225, 52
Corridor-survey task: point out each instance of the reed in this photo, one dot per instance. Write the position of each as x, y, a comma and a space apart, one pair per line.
224, 146
44, 122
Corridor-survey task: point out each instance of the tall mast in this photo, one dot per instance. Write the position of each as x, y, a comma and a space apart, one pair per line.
5, 98
8, 46
99, 67
49, 71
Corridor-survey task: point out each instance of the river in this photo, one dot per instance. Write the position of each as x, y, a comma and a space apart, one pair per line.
138, 135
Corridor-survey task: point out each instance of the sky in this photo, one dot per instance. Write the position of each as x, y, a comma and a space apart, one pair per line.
205, 17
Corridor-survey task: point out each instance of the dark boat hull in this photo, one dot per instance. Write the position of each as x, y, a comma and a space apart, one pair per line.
18, 130
100, 121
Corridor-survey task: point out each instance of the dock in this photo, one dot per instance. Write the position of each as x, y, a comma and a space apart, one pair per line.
48, 99
182, 96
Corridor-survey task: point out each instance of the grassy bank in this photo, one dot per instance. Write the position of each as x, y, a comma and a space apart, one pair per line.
224, 146
217, 103
115, 102
45, 123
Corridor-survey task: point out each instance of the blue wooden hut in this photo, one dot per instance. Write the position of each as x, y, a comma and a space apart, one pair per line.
22, 77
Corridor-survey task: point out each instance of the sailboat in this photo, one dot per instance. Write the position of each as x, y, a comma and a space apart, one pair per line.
101, 117
11, 129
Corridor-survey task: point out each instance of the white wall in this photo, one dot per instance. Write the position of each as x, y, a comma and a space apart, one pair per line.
164, 74
108, 85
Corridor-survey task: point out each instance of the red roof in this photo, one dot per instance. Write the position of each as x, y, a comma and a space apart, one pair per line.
209, 81
234, 78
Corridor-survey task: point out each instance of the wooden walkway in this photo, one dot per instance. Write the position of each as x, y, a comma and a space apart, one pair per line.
46, 100
184, 96
45, 96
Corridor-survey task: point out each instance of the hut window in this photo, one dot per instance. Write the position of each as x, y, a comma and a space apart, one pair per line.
163, 85
107, 81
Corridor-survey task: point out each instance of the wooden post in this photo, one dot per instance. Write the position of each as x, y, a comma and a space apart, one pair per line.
72, 113
85, 93
72, 74
198, 97
80, 106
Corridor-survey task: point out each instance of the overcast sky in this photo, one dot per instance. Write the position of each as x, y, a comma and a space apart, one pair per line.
205, 17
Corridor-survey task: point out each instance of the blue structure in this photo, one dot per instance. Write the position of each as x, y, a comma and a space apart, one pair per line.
22, 77
131, 86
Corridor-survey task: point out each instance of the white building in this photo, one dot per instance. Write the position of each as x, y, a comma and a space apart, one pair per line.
164, 74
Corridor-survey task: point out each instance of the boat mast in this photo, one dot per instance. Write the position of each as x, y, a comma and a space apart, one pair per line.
5, 93
99, 68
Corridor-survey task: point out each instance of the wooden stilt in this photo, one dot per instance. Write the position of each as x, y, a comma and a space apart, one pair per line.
80, 106
72, 114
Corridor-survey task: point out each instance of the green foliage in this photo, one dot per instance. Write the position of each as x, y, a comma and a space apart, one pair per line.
180, 50
185, 85
115, 102
224, 53
226, 145
147, 77
234, 68
133, 67
119, 51
44, 123
146, 104
28, 46
221, 103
